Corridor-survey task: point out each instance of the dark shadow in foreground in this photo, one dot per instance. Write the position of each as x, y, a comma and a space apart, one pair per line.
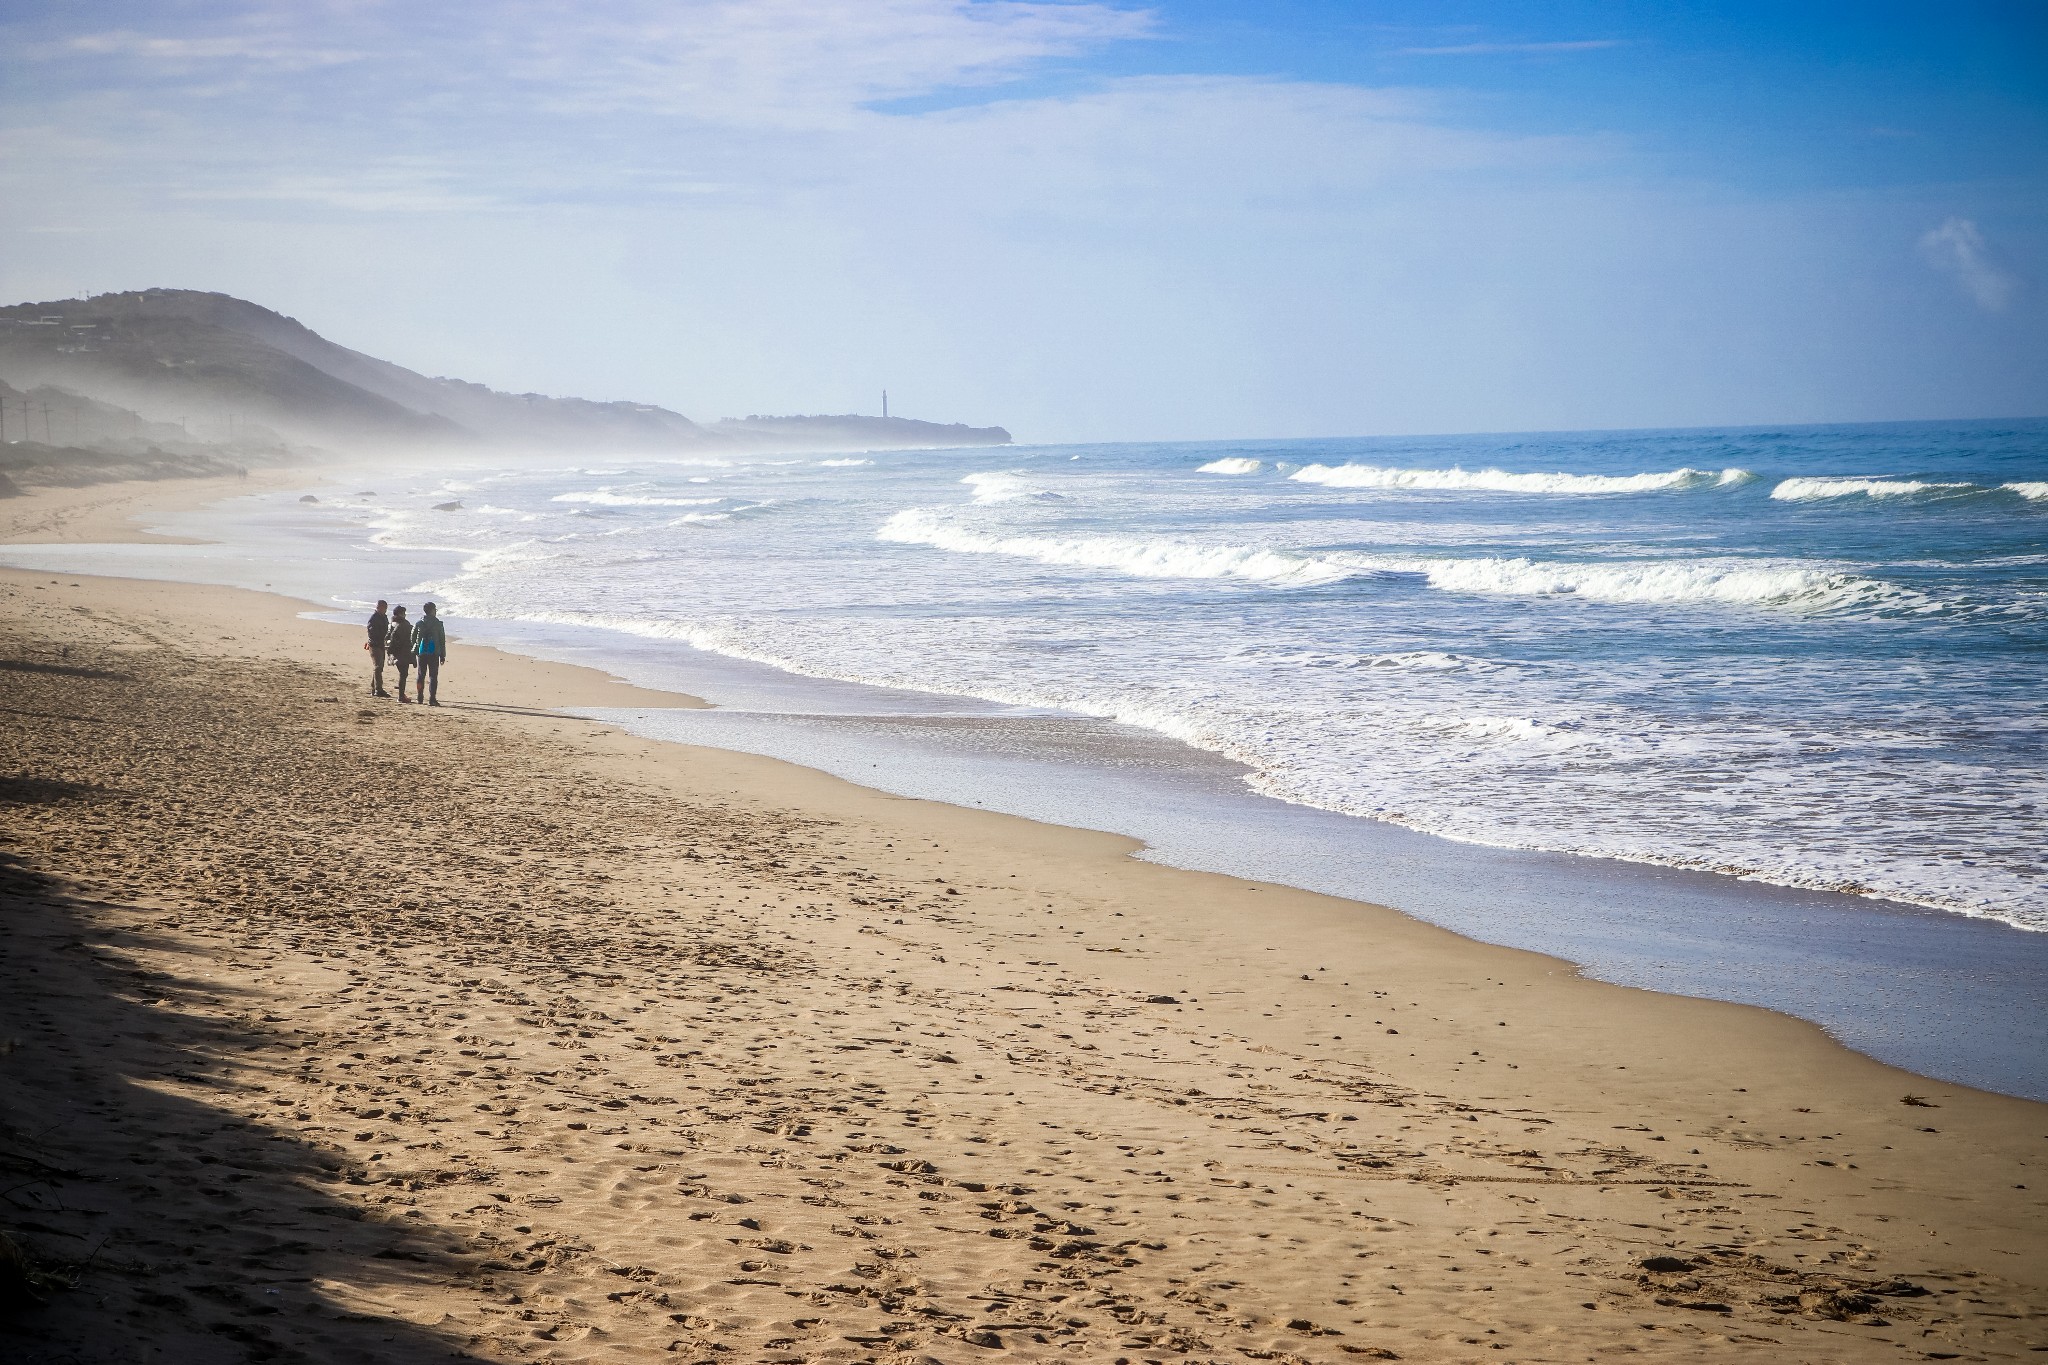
141, 1225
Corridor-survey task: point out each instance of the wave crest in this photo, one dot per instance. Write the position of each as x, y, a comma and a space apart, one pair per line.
1739, 583
995, 487
1235, 464
738, 510
1766, 584
604, 497
1815, 490
1502, 481
1140, 558
1408, 660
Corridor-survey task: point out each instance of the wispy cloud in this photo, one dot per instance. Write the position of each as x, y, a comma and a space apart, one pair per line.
723, 204
736, 63
1511, 49
795, 62
355, 194
1958, 248
269, 50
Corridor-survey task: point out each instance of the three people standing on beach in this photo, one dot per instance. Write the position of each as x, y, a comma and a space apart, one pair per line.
407, 643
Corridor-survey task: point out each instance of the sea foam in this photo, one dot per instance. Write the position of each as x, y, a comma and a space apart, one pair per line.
1501, 481
1404, 660
1235, 464
998, 487
1816, 490
1140, 558
604, 497
1690, 673
1722, 582
1739, 583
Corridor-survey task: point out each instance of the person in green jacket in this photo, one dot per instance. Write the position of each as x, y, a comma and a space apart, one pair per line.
430, 646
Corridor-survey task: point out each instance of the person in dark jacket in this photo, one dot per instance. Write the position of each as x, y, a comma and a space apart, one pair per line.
400, 643
380, 632
430, 646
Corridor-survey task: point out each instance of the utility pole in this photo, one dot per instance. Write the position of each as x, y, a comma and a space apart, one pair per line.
885, 405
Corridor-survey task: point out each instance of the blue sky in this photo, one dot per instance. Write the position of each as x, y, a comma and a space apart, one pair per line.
1782, 94
1083, 220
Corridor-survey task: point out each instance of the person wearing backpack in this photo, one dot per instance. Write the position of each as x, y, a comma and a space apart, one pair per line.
430, 645
399, 642
380, 635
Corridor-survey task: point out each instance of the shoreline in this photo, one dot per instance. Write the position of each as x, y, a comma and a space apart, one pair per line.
1882, 978
1160, 1056
1878, 977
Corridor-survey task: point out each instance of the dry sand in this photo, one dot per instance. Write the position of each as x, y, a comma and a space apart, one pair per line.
339, 1030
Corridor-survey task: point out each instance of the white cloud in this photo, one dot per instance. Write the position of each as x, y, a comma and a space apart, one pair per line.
784, 62
765, 63
382, 193
272, 50
1958, 247
728, 207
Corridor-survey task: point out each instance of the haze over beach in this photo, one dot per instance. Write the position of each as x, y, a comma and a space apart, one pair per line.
1073, 681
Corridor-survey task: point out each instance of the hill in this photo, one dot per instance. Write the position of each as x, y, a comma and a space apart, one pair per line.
217, 366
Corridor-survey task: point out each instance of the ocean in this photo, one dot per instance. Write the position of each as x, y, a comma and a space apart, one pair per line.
1808, 658
1811, 657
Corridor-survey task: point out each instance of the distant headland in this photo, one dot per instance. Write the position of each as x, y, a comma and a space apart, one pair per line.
169, 382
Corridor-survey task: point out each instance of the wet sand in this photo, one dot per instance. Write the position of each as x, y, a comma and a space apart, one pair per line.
344, 1030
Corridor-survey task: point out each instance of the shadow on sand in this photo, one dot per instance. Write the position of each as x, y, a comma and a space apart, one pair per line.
155, 1226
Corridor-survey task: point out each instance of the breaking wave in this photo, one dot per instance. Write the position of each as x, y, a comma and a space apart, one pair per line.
1815, 490
1408, 660
740, 510
1140, 558
1000, 487
604, 497
1235, 464
1738, 583
1501, 481
1818, 490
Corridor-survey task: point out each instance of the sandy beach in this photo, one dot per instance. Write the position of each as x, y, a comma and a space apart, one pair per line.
342, 1030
